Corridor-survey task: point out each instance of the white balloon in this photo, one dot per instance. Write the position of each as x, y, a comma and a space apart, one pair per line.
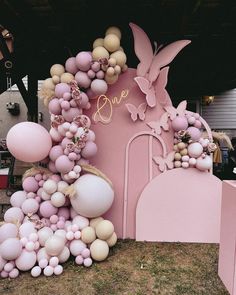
94, 196
44, 233
54, 245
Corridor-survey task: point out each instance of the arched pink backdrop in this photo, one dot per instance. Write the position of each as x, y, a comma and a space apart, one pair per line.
125, 151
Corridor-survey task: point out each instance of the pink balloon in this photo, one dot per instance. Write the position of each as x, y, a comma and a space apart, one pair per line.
10, 249
71, 66
89, 150
96, 66
195, 133
52, 167
26, 229
13, 215
100, 74
99, 86
55, 135
64, 212
63, 164
47, 209
79, 260
58, 270
88, 262
76, 247
61, 88
30, 184
180, 123
82, 79
54, 106
26, 260
83, 60
8, 230
86, 253
84, 100
29, 142
55, 152
71, 114
30, 206
17, 199
14, 273
55, 177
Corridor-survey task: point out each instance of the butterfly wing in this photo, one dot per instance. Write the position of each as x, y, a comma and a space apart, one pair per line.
144, 86
141, 111
155, 125
170, 160
181, 108
160, 162
143, 49
164, 121
164, 57
160, 85
132, 110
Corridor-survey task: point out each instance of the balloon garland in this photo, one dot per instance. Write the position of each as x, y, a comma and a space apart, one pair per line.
58, 212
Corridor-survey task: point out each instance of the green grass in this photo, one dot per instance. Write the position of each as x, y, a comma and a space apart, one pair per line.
132, 268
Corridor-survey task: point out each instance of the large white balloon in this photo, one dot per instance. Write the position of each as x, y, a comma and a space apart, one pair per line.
94, 196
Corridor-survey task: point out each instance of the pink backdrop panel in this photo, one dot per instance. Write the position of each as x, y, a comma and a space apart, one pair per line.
180, 205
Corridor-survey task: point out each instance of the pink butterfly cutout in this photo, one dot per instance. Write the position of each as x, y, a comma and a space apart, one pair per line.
179, 111
137, 111
151, 62
162, 123
165, 163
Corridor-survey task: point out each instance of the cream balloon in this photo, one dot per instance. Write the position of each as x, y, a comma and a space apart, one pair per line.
94, 222
88, 235
120, 57
112, 240
100, 52
48, 84
54, 245
104, 229
98, 42
94, 196
114, 30
99, 250
58, 199
67, 78
57, 70
111, 42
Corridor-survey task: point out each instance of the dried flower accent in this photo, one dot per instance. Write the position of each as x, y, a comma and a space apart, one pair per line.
57, 120
211, 147
184, 136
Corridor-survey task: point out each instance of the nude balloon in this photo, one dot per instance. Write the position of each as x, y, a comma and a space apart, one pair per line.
26, 260
8, 230
18, 198
24, 141
10, 249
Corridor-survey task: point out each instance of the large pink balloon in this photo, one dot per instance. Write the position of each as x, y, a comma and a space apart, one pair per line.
29, 142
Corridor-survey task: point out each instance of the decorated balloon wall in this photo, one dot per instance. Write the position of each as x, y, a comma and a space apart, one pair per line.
58, 214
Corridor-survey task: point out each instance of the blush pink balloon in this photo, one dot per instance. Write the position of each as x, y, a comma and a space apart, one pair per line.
55, 135
82, 79
13, 214
30, 206
76, 247
26, 260
83, 60
55, 152
17, 199
30, 184
29, 142
14, 273
89, 150
26, 229
47, 209
52, 167
8, 230
61, 88
54, 106
195, 133
71, 114
180, 123
10, 249
63, 164
71, 66
99, 86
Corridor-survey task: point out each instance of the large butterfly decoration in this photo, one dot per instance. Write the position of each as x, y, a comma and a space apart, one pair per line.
165, 163
151, 74
156, 126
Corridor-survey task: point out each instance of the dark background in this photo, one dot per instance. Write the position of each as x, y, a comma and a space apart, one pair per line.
49, 31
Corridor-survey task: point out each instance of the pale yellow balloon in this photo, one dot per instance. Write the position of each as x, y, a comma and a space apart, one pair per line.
56, 79
111, 42
99, 250
178, 156
67, 78
48, 84
177, 164
100, 52
98, 42
88, 235
121, 48
112, 240
120, 57
184, 152
176, 148
117, 69
112, 62
114, 30
104, 229
94, 222
57, 70
124, 68
181, 145
110, 71
111, 79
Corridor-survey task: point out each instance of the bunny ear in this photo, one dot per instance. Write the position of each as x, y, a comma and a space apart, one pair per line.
160, 85
171, 111
143, 49
164, 57
132, 110
181, 108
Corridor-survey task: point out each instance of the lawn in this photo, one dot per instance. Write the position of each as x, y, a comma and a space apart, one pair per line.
132, 268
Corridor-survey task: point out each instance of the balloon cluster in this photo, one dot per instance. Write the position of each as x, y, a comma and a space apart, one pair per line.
93, 72
42, 230
192, 150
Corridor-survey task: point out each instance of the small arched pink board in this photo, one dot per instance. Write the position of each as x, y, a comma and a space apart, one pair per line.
180, 205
